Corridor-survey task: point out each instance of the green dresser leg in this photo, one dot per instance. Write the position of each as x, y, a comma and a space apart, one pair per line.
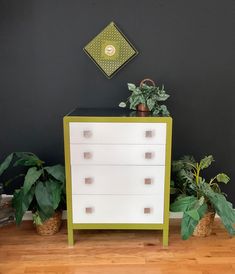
165, 236
70, 237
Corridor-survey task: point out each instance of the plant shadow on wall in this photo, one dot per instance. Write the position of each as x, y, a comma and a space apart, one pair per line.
198, 198
43, 190
147, 98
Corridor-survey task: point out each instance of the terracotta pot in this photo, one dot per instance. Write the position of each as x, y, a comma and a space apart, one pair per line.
50, 226
142, 107
204, 227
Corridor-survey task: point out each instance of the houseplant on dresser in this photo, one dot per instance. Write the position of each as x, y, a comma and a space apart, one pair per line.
43, 191
147, 98
199, 199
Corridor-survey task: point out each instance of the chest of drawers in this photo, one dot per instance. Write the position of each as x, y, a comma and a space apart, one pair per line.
117, 170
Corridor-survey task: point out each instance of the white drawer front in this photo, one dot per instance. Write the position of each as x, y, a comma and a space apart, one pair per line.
117, 133
118, 179
117, 209
117, 154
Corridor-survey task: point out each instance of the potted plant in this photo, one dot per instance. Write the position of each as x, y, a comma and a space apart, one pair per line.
199, 199
147, 98
43, 191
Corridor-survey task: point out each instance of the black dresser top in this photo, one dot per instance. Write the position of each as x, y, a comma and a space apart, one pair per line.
108, 112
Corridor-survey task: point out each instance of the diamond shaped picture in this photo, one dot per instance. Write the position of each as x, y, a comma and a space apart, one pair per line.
110, 50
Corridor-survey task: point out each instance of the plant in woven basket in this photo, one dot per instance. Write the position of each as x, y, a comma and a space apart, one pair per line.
43, 189
147, 98
195, 196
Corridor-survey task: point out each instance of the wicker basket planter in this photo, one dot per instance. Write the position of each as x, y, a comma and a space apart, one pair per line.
50, 226
204, 226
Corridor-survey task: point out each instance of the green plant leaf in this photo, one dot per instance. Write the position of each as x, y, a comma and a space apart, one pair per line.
188, 225
162, 97
222, 178
164, 110
173, 189
150, 104
193, 214
122, 105
55, 188
183, 203
190, 221
44, 198
135, 101
27, 159
177, 165
186, 176
56, 171
137, 91
206, 162
142, 99
21, 203
146, 88
30, 178
156, 112
42, 215
131, 87
37, 219
5, 164
222, 207
189, 162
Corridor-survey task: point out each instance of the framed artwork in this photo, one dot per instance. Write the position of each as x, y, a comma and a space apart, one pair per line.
110, 50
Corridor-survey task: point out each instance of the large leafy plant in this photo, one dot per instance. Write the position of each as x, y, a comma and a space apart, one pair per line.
43, 189
151, 96
195, 195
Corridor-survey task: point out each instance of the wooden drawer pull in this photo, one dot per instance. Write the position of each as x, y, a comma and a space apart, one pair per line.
147, 210
88, 181
148, 155
87, 155
87, 133
148, 181
148, 133
89, 210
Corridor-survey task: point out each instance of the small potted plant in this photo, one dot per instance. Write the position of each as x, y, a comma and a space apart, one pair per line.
147, 98
198, 198
43, 191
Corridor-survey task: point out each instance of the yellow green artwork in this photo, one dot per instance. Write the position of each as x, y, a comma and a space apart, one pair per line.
110, 50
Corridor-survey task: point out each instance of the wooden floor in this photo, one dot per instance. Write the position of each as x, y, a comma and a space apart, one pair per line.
115, 252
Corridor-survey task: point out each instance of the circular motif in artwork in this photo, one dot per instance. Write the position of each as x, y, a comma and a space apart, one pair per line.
109, 50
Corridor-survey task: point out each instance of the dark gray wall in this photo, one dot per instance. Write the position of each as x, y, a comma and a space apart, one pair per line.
187, 45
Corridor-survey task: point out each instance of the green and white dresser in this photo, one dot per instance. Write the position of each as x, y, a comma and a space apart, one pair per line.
117, 170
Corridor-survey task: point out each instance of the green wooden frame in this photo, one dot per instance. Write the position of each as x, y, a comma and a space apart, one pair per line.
165, 226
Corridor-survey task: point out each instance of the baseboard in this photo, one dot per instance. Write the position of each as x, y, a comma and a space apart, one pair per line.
28, 215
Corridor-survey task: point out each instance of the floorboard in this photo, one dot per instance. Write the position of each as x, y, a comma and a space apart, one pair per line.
115, 252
